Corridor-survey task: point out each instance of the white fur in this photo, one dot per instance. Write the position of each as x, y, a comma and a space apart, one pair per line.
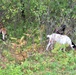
62, 39
3, 36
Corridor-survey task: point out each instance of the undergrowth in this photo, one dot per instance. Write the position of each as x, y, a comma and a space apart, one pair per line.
53, 62
44, 64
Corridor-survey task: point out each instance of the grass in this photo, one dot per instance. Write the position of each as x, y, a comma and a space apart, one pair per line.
46, 64
55, 62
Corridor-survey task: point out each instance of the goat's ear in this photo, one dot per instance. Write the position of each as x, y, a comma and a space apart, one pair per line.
47, 36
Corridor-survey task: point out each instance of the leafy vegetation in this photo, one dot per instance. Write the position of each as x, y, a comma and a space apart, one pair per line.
44, 63
27, 23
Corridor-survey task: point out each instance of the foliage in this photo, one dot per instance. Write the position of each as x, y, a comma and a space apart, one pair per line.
11, 70
27, 23
45, 63
37, 13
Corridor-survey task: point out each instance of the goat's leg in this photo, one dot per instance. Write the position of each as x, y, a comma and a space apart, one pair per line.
3, 36
48, 46
63, 47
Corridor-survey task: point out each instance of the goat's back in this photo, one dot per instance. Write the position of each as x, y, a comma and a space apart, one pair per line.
63, 39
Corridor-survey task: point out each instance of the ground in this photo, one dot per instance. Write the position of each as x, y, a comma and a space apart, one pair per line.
35, 60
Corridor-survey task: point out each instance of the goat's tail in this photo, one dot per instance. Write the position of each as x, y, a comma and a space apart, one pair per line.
73, 45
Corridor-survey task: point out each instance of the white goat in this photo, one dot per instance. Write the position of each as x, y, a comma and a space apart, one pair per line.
62, 39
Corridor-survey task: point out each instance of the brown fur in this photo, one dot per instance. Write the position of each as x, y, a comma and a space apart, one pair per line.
3, 31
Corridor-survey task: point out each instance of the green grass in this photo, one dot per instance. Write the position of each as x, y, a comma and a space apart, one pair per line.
51, 64
44, 63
